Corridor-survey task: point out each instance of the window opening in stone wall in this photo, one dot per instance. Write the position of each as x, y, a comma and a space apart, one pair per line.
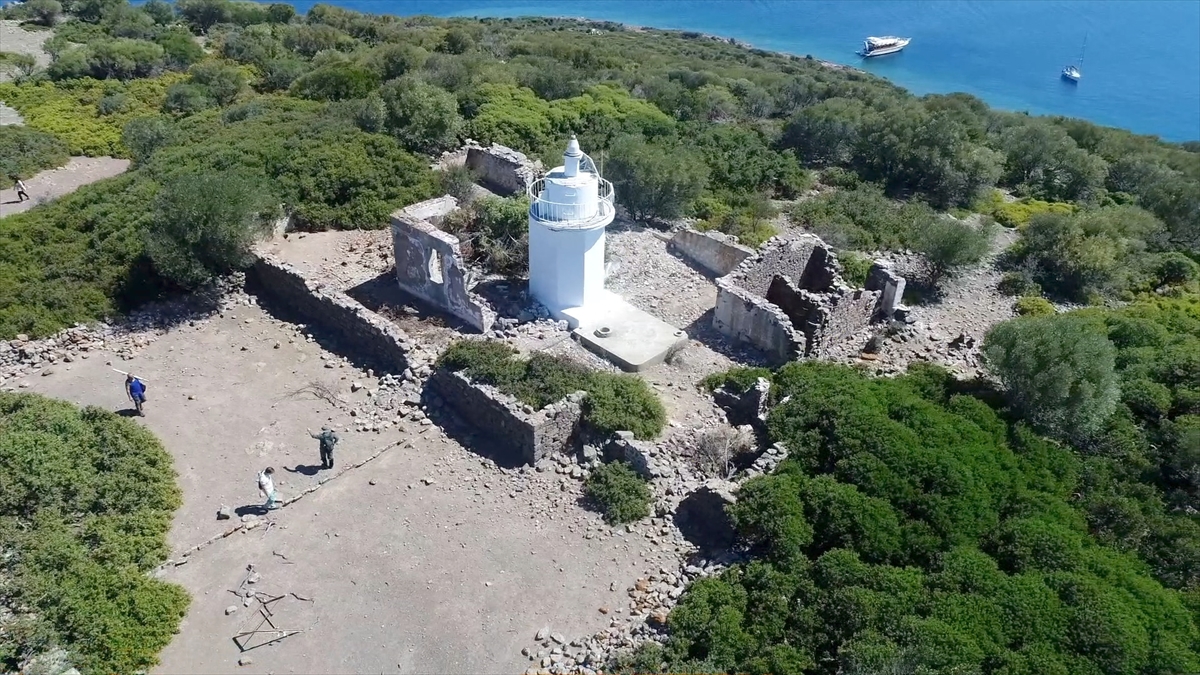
435, 267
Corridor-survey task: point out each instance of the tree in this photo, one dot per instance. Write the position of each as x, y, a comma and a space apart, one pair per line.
142, 136
655, 182
161, 11
22, 64
1058, 372
44, 12
187, 98
422, 116
335, 82
279, 12
179, 48
204, 14
204, 224
391, 61
123, 58
223, 82
949, 244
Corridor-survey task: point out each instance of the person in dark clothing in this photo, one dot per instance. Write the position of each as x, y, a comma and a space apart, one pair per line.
136, 391
328, 440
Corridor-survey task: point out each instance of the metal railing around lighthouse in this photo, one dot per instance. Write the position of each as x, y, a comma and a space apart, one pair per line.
558, 216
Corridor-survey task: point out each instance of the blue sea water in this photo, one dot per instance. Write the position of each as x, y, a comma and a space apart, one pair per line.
1141, 69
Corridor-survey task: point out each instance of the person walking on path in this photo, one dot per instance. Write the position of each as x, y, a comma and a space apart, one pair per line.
22, 191
328, 440
266, 487
136, 391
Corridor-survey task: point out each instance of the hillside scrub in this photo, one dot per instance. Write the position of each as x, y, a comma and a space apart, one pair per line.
24, 152
613, 403
867, 557
618, 493
85, 507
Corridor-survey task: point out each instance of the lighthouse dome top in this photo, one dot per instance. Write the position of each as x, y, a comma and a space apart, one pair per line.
572, 196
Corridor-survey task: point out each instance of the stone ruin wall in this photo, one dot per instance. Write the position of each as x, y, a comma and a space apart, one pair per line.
501, 169
530, 435
716, 253
790, 301
373, 336
430, 266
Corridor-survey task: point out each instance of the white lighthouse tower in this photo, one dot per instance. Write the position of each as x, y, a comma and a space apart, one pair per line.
568, 212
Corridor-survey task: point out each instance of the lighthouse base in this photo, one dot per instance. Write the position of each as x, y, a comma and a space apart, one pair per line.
631, 339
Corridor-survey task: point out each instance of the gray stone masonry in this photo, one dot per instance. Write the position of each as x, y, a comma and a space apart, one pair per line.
530, 434
430, 266
749, 407
363, 330
890, 285
702, 517
502, 169
789, 300
716, 253
623, 447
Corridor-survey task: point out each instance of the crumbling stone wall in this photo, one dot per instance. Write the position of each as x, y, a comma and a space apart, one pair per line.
502, 169
530, 434
371, 335
789, 300
890, 285
430, 266
747, 317
715, 252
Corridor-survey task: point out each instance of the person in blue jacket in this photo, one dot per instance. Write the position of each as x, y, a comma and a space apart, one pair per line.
136, 391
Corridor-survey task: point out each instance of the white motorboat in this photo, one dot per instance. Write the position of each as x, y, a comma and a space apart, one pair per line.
879, 46
1074, 71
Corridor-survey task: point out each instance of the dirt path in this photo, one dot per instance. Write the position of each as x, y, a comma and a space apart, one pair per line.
64, 180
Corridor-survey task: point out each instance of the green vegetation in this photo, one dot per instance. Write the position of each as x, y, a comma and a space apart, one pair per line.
1019, 213
1059, 373
619, 493
855, 267
613, 403
85, 505
915, 529
1033, 305
493, 232
323, 112
24, 152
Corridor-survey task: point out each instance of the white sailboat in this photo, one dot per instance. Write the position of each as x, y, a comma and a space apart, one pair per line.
1074, 71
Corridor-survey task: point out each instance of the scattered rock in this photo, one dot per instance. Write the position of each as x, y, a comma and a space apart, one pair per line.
224, 513
230, 610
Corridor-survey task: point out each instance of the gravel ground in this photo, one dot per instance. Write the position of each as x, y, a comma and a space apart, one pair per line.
64, 180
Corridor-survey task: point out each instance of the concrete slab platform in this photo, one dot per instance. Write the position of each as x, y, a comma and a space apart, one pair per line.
628, 337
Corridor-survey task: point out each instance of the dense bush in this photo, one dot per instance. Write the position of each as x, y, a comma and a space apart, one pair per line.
855, 267
24, 152
914, 530
204, 225
494, 233
862, 218
738, 379
655, 182
1019, 213
619, 493
85, 507
1033, 305
613, 403
949, 244
1058, 372
1093, 253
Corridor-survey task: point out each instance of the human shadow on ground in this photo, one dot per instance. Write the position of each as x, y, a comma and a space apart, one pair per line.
128, 412
305, 469
252, 509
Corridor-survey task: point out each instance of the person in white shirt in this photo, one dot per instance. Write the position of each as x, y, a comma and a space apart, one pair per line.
266, 487
22, 192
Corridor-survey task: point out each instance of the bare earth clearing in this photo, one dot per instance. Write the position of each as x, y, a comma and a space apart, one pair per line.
64, 180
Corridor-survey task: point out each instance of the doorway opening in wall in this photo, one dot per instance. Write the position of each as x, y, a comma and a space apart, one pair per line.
435, 267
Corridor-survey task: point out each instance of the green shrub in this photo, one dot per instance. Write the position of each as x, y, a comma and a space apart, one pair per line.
949, 245
1019, 213
1032, 305
619, 493
1018, 283
613, 403
855, 267
68, 110
24, 152
84, 513
623, 403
